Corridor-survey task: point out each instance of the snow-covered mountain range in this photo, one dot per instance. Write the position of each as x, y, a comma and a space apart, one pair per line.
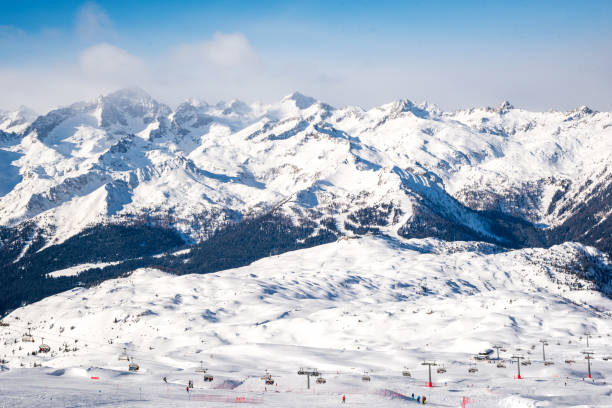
125, 170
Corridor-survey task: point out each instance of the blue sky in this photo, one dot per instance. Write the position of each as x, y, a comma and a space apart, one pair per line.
457, 54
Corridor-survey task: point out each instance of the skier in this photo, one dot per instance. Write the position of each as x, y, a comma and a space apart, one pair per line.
413, 395
424, 399
165, 380
419, 399
344, 399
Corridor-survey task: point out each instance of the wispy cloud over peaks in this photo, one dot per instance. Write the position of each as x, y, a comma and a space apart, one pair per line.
93, 24
105, 62
228, 50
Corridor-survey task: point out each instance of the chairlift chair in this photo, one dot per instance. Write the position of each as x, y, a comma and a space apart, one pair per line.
124, 356
548, 363
321, 380
365, 377
441, 370
27, 338
406, 373
44, 348
208, 378
267, 377
133, 367
201, 369
526, 362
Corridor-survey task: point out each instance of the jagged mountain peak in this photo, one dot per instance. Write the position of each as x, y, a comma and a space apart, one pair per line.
236, 106
119, 107
401, 106
300, 100
18, 120
505, 107
194, 102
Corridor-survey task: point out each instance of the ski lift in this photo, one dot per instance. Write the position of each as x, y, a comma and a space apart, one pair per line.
133, 367
441, 370
208, 378
365, 377
124, 356
44, 348
606, 358
501, 365
473, 369
548, 363
267, 377
27, 338
321, 380
569, 361
406, 373
307, 371
201, 369
526, 362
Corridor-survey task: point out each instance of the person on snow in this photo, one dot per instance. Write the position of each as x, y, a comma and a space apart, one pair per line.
165, 380
344, 399
424, 399
419, 399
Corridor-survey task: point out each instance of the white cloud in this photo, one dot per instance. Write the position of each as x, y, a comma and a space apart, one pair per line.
93, 24
105, 62
227, 66
226, 50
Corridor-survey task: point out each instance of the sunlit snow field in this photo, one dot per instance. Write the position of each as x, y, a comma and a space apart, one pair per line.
356, 305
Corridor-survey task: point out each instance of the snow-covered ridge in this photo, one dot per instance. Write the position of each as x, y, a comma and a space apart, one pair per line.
126, 154
75, 270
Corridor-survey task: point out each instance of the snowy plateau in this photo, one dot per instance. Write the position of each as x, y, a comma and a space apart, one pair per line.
255, 239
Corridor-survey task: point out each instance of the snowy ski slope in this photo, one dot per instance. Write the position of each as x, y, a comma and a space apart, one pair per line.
372, 304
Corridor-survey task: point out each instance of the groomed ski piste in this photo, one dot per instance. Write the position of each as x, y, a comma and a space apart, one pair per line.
369, 307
